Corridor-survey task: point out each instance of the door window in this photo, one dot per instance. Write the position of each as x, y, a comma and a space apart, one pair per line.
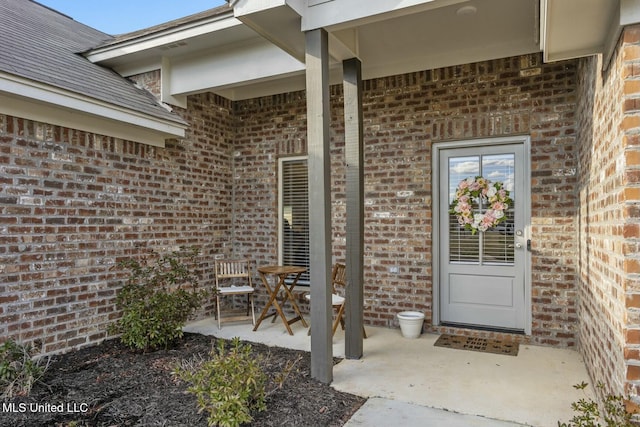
494, 246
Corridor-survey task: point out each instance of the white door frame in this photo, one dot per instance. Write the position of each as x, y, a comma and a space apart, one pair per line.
435, 211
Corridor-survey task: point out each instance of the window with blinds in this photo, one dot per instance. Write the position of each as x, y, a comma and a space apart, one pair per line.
496, 245
294, 214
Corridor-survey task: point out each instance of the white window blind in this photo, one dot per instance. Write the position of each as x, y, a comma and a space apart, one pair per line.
294, 214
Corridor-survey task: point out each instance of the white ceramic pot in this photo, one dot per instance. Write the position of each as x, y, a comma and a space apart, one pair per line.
411, 323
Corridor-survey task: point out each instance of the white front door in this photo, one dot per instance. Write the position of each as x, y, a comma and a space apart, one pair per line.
482, 274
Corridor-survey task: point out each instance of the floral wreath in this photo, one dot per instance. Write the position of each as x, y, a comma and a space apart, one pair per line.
479, 190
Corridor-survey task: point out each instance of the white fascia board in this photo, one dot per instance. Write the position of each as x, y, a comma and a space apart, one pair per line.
571, 54
627, 14
300, 5
431, 61
56, 115
338, 14
248, 7
544, 7
577, 28
284, 84
247, 62
163, 38
19, 96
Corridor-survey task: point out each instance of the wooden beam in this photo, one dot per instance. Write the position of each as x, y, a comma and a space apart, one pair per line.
318, 116
352, 84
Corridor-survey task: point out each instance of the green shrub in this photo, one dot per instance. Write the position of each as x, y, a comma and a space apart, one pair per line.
228, 386
19, 370
154, 301
589, 415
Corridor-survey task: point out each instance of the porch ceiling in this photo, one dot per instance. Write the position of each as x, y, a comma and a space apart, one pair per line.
230, 50
450, 35
439, 33
393, 37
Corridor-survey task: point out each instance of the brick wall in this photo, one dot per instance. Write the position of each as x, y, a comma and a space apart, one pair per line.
150, 81
609, 190
72, 204
403, 116
265, 129
629, 301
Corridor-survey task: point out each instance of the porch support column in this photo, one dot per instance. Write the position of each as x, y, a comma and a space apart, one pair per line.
318, 116
352, 84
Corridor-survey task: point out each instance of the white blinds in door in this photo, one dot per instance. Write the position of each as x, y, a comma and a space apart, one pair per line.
496, 245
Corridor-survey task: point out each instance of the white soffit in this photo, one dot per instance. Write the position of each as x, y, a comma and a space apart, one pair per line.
447, 36
154, 50
284, 22
395, 37
220, 55
239, 64
338, 14
192, 36
576, 28
240, 58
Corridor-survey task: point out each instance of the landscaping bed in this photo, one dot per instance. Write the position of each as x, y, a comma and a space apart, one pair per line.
109, 385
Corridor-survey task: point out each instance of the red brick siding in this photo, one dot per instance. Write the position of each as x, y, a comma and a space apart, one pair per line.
149, 81
73, 204
601, 269
403, 116
629, 298
610, 217
90, 200
265, 129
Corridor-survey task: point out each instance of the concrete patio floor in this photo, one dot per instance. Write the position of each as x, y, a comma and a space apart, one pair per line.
415, 379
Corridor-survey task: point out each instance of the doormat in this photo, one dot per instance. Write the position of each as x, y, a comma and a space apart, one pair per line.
478, 344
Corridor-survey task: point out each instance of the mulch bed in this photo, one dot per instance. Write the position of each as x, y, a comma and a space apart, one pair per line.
108, 385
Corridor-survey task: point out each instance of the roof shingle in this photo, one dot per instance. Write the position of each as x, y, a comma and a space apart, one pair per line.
45, 46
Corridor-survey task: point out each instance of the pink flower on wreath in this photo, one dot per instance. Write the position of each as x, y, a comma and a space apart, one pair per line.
474, 186
499, 206
473, 192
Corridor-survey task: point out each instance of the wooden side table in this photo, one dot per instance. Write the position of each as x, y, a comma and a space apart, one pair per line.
281, 272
